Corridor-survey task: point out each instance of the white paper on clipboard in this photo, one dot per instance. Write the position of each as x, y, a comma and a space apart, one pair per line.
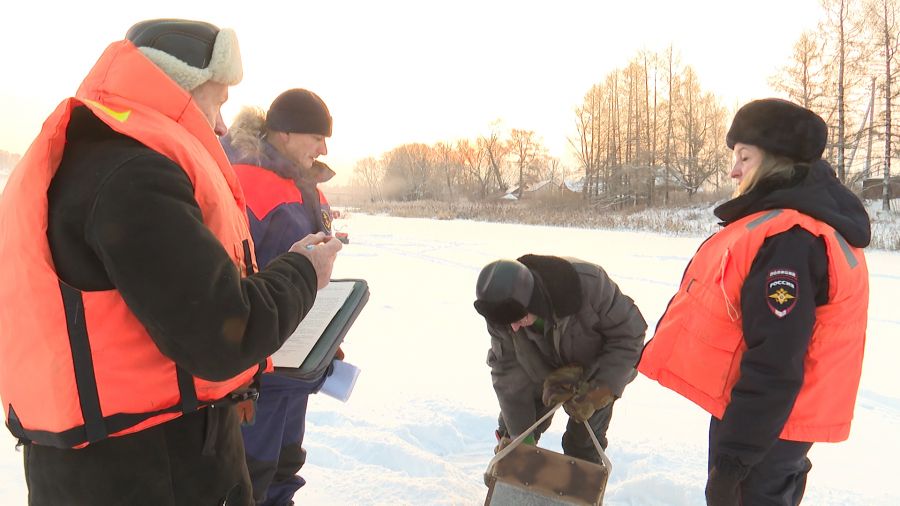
329, 301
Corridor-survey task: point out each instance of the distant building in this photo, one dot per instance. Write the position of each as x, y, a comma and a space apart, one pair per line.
873, 188
509, 193
572, 186
539, 190
543, 190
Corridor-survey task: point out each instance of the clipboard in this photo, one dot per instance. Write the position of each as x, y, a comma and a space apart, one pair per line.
319, 357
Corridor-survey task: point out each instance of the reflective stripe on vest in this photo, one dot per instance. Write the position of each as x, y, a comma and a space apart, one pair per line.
77, 367
697, 348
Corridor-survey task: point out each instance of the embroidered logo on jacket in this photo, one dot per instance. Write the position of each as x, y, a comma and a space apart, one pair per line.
326, 221
781, 291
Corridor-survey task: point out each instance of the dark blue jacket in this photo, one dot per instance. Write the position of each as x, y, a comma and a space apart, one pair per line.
283, 204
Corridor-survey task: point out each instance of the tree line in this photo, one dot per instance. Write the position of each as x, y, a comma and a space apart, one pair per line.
649, 130
473, 169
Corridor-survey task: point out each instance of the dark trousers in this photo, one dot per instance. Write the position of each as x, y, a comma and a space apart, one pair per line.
779, 480
576, 441
274, 441
194, 460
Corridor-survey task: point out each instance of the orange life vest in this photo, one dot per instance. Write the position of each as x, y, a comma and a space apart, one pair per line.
697, 348
77, 367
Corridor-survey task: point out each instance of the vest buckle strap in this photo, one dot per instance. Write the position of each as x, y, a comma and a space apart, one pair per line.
15, 427
244, 395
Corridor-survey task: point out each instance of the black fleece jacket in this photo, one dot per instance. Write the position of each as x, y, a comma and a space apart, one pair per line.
772, 366
124, 217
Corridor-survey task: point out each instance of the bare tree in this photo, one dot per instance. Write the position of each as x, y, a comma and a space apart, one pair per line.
475, 164
885, 12
409, 171
447, 163
496, 151
651, 127
867, 170
613, 159
802, 79
523, 148
587, 148
671, 99
847, 46
700, 127
619, 123
370, 173
552, 170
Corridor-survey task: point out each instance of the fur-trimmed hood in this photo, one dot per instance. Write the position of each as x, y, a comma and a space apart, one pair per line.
558, 282
246, 144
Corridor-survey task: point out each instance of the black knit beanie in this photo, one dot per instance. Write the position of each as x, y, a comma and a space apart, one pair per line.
299, 111
781, 128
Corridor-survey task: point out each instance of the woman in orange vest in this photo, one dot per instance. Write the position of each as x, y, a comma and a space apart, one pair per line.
767, 329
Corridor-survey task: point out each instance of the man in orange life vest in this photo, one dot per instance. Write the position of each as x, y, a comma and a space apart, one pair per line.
768, 327
132, 314
275, 153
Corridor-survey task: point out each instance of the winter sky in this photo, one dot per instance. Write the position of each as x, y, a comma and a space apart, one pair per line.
395, 71
418, 429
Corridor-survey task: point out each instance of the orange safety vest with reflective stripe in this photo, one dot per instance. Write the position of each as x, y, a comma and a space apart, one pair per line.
697, 348
77, 367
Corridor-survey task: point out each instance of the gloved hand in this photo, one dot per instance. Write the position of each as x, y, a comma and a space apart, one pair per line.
559, 385
723, 486
587, 400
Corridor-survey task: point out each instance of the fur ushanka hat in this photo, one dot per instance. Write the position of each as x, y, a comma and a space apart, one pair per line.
781, 128
190, 52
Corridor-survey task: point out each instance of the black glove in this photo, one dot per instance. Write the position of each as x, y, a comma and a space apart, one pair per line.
560, 385
723, 486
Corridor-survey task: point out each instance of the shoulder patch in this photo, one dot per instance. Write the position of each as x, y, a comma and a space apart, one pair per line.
782, 291
326, 221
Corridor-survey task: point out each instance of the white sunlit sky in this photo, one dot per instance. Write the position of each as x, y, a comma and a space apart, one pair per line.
418, 428
400, 71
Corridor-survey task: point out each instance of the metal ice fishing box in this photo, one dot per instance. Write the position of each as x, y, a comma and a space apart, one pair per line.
532, 476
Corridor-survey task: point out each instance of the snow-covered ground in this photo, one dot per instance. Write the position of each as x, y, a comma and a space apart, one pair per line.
418, 429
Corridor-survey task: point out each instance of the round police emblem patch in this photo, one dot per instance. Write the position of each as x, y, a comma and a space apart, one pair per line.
782, 291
